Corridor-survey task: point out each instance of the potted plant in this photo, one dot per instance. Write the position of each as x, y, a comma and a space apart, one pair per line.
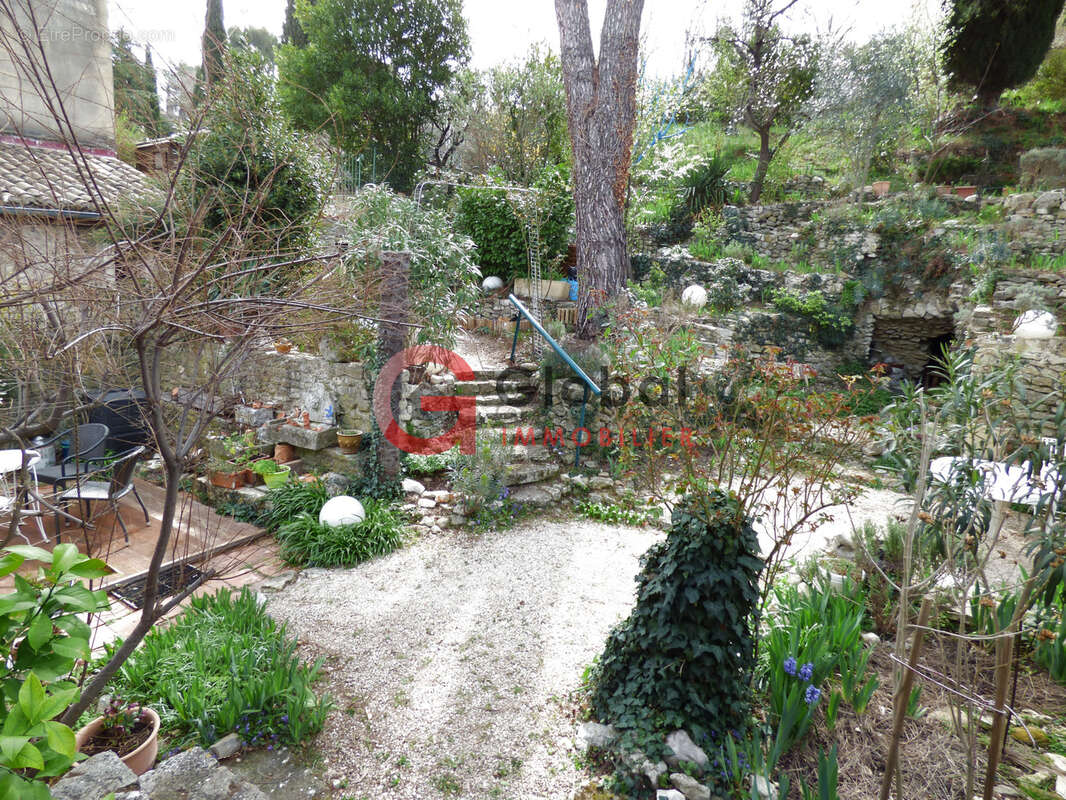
224, 474
349, 440
279, 478
261, 468
965, 191
129, 729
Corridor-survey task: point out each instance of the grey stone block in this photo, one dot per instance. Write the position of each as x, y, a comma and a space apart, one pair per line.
94, 778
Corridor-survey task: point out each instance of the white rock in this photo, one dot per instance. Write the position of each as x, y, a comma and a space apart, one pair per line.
766, 790
492, 283
593, 734
427, 502
669, 794
1057, 761
341, 510
686, 750
411, 486
690, 787
1035, 325
694, 296
871, 639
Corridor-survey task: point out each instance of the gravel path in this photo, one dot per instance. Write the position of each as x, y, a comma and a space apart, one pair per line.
451, 660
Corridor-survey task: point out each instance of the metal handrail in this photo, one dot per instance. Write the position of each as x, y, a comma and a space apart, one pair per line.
558, 348
565, 356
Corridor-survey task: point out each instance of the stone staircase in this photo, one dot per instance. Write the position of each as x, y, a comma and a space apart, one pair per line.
506, 403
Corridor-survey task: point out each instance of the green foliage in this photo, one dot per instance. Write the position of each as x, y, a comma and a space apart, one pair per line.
127, 136
444, 277
521, 122
371, 73
136, 95
260, 40
827, 778
819, 628
42, 629
213, 44
684, 656
306, 543
703, 183
481, 477
1050, 80
992, 46
224, 665
431, 464
619, 514
292, 499
499, 222
249, 162
830, 323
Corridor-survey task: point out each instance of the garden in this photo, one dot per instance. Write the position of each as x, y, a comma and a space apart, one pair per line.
722, 459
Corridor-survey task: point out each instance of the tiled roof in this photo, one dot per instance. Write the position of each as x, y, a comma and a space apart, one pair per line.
48, 178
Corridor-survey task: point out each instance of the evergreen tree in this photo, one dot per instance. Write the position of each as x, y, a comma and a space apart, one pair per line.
372, 75
136, 95
994, 45
291, 32
213, 44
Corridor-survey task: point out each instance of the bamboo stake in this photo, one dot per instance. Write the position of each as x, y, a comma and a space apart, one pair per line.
903, 696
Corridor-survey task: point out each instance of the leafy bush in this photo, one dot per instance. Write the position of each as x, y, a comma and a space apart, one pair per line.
221, 666
703, 183
830, 323
497, 222
292, 499
480, 478
444, 276
306, 543
249, 157
683, 658
43, 634
431, 464
619, 514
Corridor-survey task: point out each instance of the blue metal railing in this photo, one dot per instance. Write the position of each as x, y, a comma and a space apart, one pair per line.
590, 385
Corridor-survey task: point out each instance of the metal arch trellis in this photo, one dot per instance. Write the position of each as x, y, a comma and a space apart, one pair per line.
532, 233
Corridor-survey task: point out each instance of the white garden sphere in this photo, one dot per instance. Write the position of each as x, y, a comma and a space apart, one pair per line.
341, 510
1035, 325
492, 283
695, 296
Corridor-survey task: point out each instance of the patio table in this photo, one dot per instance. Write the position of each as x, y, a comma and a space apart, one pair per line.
12, 461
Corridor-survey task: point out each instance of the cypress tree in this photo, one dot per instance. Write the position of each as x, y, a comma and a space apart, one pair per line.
292, 32
213, 44
995, 45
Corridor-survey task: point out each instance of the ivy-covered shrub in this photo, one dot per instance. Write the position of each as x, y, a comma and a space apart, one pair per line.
444, 277
497, 221
830, 322
684, 657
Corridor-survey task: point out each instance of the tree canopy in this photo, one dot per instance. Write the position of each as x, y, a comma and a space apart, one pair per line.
371, 73
213, 43
995, 45
136, 95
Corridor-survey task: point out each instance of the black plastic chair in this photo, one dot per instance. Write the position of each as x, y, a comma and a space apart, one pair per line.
88, 443
110, 491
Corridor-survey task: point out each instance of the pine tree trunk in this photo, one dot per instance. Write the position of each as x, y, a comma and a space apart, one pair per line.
601, 109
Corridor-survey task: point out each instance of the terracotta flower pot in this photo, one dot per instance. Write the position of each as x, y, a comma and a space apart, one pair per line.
349, 440
965, 191
283, 347
881, 188
141, 759
227, 480
284, 453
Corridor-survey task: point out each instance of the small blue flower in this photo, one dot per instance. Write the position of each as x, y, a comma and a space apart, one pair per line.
806, 671
285, 718
790, 666
812, 695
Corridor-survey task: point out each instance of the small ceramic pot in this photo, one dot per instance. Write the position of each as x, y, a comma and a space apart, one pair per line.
227, 480
275, 479
349, 440
141, 759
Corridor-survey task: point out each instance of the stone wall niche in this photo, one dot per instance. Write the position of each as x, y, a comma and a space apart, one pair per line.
913, 344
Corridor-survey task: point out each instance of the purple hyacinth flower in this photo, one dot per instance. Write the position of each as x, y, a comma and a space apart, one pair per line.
790, 666
806, 671
812, 695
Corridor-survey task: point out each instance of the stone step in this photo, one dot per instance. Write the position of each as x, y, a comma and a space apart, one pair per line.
505, 414
489, 386
521, 474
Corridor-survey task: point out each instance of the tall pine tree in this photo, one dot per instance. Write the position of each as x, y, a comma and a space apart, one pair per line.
136, 95
995, 45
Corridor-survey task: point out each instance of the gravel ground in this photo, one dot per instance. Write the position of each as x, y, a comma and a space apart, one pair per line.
451, 661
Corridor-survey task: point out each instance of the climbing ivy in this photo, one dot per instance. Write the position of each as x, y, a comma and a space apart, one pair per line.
831, 323
683, 658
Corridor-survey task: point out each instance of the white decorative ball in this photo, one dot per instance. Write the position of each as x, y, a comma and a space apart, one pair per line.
341, 510
695, 296
1035, 325
492, 283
